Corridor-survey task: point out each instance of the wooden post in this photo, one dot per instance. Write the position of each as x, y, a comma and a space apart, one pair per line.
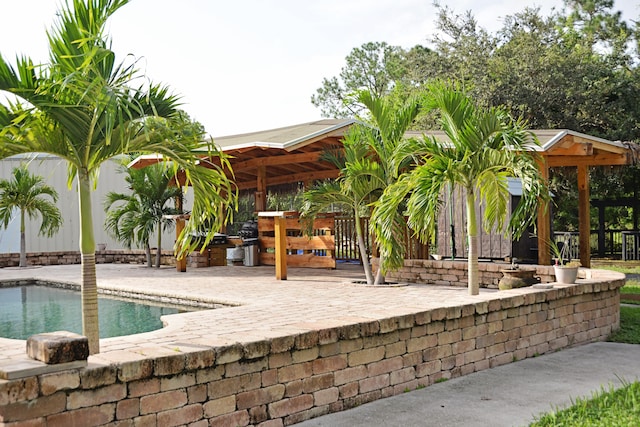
261, 190
584, 218
181, 261
544, 220
280, 234
281, 247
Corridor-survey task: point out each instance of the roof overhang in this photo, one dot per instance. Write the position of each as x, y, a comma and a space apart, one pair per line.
293, 154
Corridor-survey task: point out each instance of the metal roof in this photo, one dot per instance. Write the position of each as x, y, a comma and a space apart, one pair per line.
292, 154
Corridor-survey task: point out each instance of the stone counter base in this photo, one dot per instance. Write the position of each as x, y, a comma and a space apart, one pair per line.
288, 379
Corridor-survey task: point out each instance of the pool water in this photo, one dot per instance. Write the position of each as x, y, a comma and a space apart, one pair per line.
29, 310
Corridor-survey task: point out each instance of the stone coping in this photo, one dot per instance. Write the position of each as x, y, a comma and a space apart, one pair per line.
264, 309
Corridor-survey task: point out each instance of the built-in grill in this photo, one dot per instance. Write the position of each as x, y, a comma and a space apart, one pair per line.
219, 239
247, 254
249, 230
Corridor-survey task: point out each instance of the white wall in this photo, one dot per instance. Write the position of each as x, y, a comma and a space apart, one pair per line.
54, 171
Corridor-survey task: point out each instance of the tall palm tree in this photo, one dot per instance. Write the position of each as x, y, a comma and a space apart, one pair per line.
388, 124
86, 109
29, 194
132, 218
357, 186
370, 152
484, 148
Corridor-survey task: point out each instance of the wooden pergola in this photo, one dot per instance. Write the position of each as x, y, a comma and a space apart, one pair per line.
293, 155
565, 148
283, 156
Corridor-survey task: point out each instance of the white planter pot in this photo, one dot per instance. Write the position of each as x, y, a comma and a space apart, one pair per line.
565, 275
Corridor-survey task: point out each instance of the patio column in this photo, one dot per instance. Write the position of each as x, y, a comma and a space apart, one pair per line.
261, 189
181, 263
280, 234
584, 218
544, 219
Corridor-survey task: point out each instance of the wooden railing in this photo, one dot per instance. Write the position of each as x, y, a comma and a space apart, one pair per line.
315, 251
347, 241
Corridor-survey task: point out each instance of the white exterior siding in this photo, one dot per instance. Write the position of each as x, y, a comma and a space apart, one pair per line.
54, 171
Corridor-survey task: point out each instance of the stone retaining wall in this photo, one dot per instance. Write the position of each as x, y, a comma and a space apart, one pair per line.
102, 257
454, 273
288, 379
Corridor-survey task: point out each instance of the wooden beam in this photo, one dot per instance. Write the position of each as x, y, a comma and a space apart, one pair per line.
285, 159
544, 220
316, 242
598, 159
572, 150
296, 177
584, 220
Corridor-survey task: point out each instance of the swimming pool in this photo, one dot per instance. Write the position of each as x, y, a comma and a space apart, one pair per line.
33, 309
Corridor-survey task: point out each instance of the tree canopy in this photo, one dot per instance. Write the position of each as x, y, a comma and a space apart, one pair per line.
575, 68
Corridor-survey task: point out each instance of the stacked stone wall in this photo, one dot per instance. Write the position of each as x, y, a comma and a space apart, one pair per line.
454, 273
73, 257
288, 379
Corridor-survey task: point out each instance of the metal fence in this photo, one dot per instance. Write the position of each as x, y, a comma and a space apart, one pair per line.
613, 243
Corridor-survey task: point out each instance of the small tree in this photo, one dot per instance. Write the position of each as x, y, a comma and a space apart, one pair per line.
370, 164
132, 218
353, 191
27, 193
86, 108
484, 148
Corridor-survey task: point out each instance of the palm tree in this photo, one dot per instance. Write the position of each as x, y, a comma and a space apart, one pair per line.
132, 218
485, 147
86, 109
25, 192
388, 125
359, 182
368, 167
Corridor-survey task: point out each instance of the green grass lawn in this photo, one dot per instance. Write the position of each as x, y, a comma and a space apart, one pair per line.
626, 269
608, 407
632, 286
629, 331
630, 290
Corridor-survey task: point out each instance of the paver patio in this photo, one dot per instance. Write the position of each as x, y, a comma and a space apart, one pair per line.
262, 306
287, 351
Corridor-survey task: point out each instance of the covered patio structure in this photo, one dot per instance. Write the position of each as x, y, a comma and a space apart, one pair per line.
293, 155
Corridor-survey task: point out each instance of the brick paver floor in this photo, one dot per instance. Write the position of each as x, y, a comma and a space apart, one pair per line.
262, 307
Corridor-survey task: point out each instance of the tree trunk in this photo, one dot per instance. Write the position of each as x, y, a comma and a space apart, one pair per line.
89, 287
472, 233
379, 276
159, 247
364, 256
23, 242
147, 252
380, 280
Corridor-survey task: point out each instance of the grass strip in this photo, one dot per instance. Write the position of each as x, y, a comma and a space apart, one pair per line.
620, 268
629, 331
606, 408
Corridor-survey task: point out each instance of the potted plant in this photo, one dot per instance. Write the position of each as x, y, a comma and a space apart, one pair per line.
566, 270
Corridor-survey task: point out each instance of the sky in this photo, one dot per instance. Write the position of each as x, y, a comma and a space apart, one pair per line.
245, 66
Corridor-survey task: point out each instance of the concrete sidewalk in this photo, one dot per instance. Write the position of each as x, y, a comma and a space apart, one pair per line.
509, 395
